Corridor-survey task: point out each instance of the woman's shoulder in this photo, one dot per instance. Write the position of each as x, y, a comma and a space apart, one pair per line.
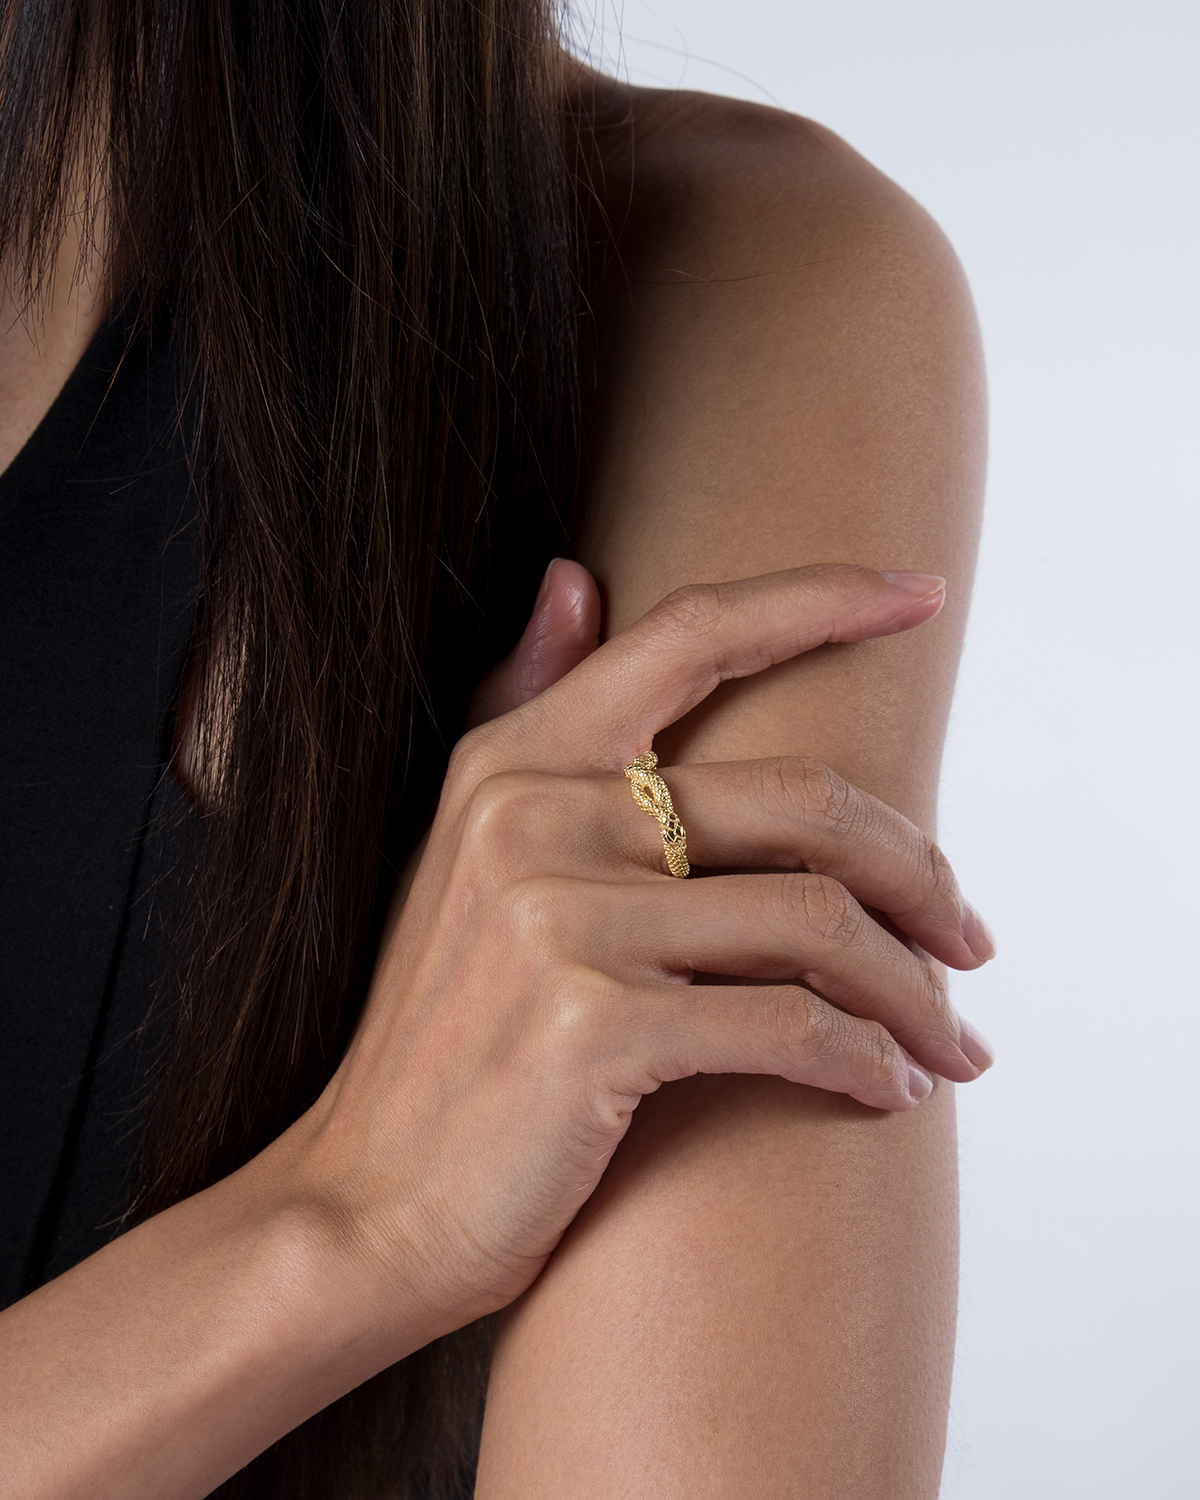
719, 150
696, 187
784, 340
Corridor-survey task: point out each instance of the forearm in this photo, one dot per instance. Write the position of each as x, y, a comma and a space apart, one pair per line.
165, 1362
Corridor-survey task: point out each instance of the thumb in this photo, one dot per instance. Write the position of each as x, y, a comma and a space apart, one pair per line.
563, 628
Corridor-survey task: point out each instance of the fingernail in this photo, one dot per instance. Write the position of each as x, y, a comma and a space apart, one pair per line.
978, 935
545, 584
916, 583
920, 1085
974, 1046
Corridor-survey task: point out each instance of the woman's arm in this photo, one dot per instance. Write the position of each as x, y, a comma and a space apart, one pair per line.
524, 1000
759, 1299
161, 1364
395, 1210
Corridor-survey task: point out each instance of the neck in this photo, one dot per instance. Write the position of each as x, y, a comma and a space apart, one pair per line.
43, 334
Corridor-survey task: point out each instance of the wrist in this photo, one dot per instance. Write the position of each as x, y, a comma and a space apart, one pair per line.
359, 1296
199, 1338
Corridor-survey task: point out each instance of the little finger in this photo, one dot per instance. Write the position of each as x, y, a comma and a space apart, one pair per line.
794, 926
782, 1030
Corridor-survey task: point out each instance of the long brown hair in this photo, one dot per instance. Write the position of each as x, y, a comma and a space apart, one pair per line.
361, 214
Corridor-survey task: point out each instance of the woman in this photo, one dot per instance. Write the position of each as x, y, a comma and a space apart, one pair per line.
347, 247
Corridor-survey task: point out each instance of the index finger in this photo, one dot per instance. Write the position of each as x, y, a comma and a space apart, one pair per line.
609, 708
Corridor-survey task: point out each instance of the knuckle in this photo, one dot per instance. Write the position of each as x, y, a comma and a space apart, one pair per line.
942, 1019
499, 809
472, 759
574, 1008
695, 608
826, 1029
800, 1027
532, 913
936, 986
807, 1030
813, 793
869, 1049
932, 883
939, 873
883, 1063
822, 905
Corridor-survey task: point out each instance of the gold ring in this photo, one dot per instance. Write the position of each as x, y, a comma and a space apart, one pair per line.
650, 791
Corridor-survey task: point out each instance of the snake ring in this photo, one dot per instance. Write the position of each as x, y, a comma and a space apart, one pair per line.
650, 791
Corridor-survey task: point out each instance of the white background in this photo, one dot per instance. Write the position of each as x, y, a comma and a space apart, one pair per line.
1058, 144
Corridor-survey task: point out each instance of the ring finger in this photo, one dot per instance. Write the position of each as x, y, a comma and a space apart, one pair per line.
788, 812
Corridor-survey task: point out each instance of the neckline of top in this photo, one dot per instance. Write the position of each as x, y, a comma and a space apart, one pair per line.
54, 444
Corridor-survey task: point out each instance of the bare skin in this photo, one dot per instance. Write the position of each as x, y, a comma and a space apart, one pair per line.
759, 1301
40, 346
758, 1297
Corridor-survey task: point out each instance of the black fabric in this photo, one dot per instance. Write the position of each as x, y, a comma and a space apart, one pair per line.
98, 570
98, 580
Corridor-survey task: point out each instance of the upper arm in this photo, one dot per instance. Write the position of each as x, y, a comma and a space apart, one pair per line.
790, 374
793, 376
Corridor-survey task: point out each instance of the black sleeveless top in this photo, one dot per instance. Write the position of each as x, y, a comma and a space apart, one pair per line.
98, 572
98, 581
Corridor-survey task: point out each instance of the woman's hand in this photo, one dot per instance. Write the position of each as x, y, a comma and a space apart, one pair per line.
533, 987
564, 627
537, 981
